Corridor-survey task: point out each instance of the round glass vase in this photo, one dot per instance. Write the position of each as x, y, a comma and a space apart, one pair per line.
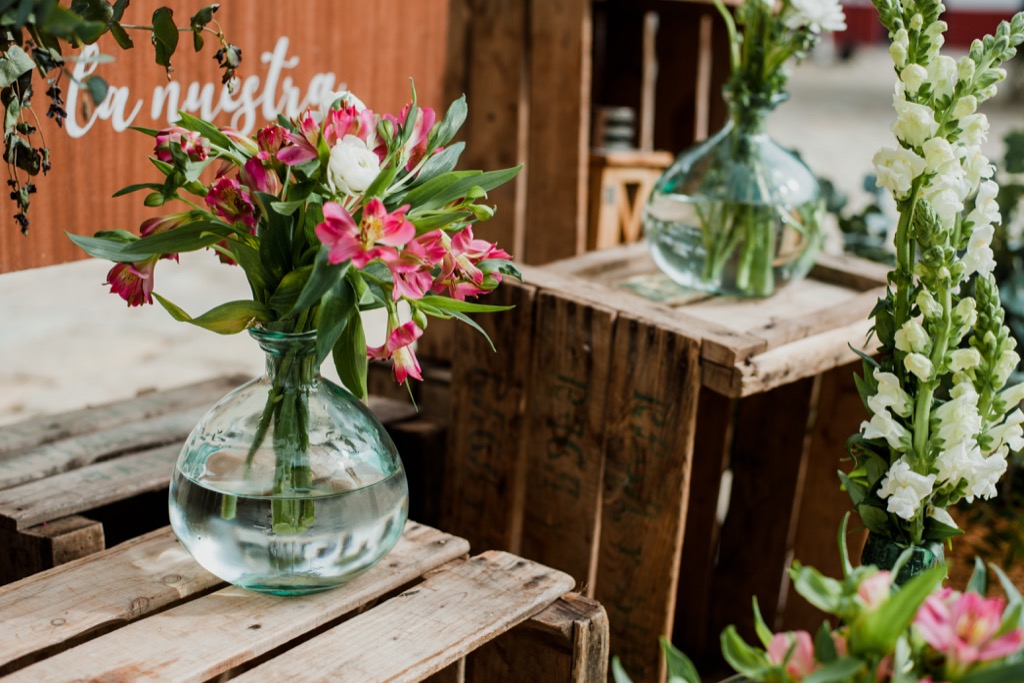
288, 485
737, 214
883, 553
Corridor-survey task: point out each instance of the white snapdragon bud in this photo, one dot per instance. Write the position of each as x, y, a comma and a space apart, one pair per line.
895, 169
974, 129
899, 47
919, 365
912, 338
913, 77
883, 426
905, 489
964, 359
890, 394
987, 93
963, 387
930, 308
915, 123
1005, 365
942, 75
966, 311
965, 106
965, 69
916, 22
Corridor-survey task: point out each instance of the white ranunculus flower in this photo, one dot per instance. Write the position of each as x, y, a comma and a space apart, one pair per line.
915, 123
974, 129
964, 359
942, 74
905, 489
912, 338
920, 365
896, 169
913, 77
816, 15
979, 257
352, 166
965, 106
883, 426
890, 394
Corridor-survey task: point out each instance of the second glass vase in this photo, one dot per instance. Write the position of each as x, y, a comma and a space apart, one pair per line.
737, 214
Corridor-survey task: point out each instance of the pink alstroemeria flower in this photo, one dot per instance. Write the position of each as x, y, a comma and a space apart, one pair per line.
965, 628
192, 143
133, 282
257, 174
411, 270
416, 147
875, 589
271, 138
301, 145
232, 202
377, 235
398, 348
801, 662
459, 272
347, 121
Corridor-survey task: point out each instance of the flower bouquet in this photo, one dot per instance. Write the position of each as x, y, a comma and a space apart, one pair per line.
941, 422
738, 214
334, 213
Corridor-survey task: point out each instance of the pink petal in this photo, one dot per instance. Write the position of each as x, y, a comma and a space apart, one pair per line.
404, 335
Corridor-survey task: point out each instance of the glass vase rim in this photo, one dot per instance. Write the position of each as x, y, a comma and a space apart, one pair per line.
261, 334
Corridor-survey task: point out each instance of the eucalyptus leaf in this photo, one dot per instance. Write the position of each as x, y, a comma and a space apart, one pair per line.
164, 36
14, 63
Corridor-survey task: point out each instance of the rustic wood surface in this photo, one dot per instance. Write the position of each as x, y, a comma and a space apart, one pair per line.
48, 545
194, 640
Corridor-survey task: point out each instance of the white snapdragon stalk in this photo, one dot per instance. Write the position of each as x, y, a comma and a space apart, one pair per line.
942, 340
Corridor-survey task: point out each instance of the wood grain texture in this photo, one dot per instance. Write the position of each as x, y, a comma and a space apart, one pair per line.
651, 422
87, 487
406, 40
483, 459
564, 435
559, 140
427, 627
197, 639
767, 463
48, 545
568, 641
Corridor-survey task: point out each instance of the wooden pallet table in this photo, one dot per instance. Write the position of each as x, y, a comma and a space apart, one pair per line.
73, 482
145, 611
622, 416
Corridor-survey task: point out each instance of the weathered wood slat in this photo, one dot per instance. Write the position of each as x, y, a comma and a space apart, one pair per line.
483, 458
195, 640
87, 488
850, 271
427, 627
40, 431
651, 413
564, 437
47, 545
795, 328
60, 456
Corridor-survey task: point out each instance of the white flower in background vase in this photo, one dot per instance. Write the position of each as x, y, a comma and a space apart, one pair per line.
904, 489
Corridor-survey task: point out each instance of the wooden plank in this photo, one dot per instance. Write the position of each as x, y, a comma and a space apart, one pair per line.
712, 444
86, 488
48, 545
838, 414
453, 673
850, 271
846, 312
559, 93
427, 627
568, 641
564, 436
44, 430
114, 591
60, 456
651, 414
488, 391
767, 461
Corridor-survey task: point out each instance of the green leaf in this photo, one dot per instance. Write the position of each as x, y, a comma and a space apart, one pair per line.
124, 40
164, 36
838, 671
440, 163
979, 578
824, 645
229, 318
324, 277
741, 657
287, 293
857, 492
764, 634
335, 308
13, 65
118, 10
878, 631
875, 519
138, 186
819, 590
206, 129
446, 304
1014, 601
679, 665
248, 257
450, 124
350, 359
619, 674
287, 208
186, 238
500, 266
1014, 673
198, 22
436, 193
97, 88
382, 182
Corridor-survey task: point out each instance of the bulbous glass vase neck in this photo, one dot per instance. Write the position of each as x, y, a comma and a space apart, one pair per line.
749, 111
290, 356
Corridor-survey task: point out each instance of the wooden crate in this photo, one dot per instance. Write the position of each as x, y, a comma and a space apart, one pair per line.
145, 610
606, 435
72, 483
